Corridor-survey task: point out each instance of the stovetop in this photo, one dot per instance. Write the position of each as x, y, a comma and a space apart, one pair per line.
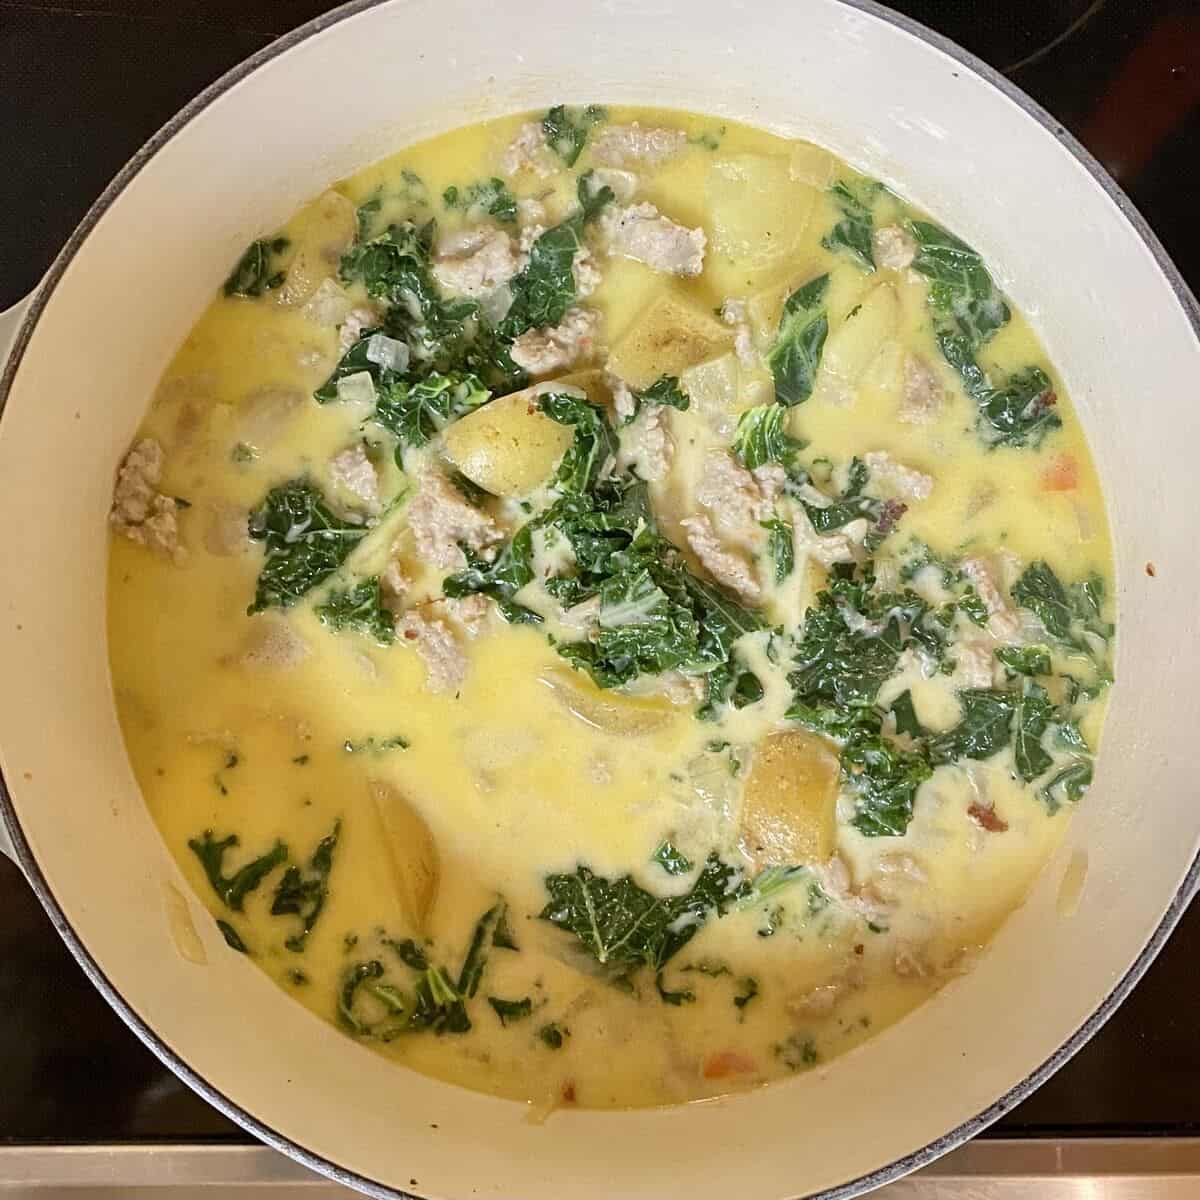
84, 85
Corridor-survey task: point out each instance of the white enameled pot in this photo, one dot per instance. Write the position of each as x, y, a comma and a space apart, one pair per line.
896, 101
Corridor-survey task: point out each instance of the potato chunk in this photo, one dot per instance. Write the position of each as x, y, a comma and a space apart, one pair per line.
855, 344
320, 234
607, 711
411, 851
509, 447
789, 803
671, 335
759, 211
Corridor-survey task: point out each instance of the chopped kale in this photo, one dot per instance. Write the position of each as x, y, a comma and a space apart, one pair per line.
796, 355
883, 781
502, 578
781, 547
1068, 785
761, 437
368, 978
905, 713
353, 362
304, 895
359, 608
971, 603
672, 859
409, 953
797, 1052
567, 129
984, 730
232, 938
502, 935
439, 1005
747, 990
667, 996
623, 925
416, 412
665, 390
1033, 716
257, 271
852, 234
489, 197
477, 953
305, 543
511, 1010
553, 1035
594, 446
234, 888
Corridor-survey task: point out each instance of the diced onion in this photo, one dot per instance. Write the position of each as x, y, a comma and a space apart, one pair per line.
357, 388
387, 352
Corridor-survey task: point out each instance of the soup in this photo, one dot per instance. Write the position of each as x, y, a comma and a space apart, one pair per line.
610, 607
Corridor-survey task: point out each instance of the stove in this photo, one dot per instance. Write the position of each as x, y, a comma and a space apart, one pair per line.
82, 1102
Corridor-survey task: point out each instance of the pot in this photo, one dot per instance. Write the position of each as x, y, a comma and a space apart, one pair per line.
900, 104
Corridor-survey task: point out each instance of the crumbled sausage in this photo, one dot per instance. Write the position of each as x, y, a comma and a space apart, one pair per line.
440, 518
974, 664
642, 233
624, 402
894, 248
471, 612
394, 584
542, 351
647, 445
528, 151
733, 495
922, 392
353, 471
475, 261
445, 663
727, 567
733, 313
615, 145
1003, 621
904, 481
140, 511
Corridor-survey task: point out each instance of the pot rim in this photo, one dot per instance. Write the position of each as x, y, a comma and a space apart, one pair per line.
921, 1157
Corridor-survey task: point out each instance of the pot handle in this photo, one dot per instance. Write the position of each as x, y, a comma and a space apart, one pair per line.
10, 322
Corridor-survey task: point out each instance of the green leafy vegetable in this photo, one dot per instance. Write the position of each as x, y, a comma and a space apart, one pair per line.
257, 270
360, 609
410, 954
303, 895
761, 437
502, 578
905, 712
1025, 660
594, 446
232, 938
1068, 786
883, 780
234, 888
511, 1010
797, 1052
984, 729
852, 234
353, 362
477, 953
416, 412
621, 924
747, 990
781, 547
305, 543
671, 859
553, 1035
665, 390
490, 197
368, 978
439, 1005
971, 603
796, 355
567, 129
1033, 716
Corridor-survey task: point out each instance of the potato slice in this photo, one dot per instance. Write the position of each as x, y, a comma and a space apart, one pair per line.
509, 446
412, 853
759, 212
812, 165
607, 711
672, 334
855, 345
789, 803
319, 234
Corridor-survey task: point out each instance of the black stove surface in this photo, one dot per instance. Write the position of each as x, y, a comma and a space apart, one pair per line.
84, 85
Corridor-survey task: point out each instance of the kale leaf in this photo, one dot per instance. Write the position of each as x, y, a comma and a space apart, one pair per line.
883, 780
234, 888
1033, 716
672, 859
781, 547
257, 270
233, 939
567, 129
761, 437
665, 390
511, 1010
623, 925
368, 977
796, 354
553, 1035
905, 713
1068, 785
984, 729
489, 197
501, 579
353, 362
305, 543
417, 411
594, 447
852, 234
303, 895
359, 608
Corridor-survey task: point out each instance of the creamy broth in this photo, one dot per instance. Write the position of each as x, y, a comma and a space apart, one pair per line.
462, 775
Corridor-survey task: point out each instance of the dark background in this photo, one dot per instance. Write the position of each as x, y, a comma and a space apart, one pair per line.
82, 86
